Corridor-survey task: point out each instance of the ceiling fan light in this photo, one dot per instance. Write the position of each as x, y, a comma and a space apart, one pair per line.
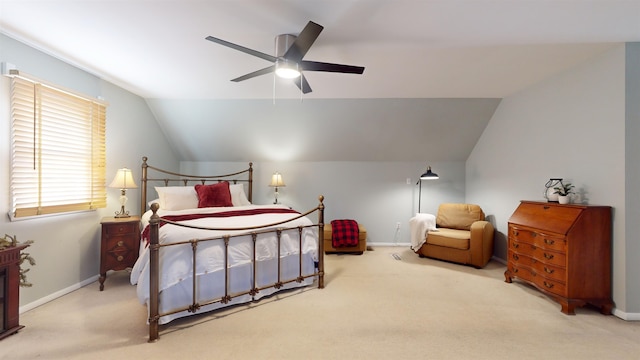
287, 70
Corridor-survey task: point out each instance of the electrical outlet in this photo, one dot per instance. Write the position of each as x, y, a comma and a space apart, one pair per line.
398, 226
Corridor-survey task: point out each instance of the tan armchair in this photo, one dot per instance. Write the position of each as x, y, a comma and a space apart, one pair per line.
462, 236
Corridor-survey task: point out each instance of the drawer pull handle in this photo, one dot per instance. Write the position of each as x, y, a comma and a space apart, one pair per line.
516, 245
549, 242
120, 257
546, 207
548, 256
516, 257
548, 285
120, 229
120, 243
534, 234
515, 270
516, 232
548, 271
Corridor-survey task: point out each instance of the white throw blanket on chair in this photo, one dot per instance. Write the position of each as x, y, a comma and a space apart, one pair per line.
419, 226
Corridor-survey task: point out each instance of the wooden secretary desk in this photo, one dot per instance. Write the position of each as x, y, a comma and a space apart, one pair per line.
564, 251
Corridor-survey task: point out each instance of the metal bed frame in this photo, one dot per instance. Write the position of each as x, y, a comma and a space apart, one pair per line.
154, 245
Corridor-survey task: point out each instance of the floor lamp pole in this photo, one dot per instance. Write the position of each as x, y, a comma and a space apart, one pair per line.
419, 194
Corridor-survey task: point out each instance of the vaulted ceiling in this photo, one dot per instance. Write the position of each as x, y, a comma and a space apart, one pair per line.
445, 62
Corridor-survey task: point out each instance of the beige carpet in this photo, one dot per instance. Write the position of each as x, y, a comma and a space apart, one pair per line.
374, 306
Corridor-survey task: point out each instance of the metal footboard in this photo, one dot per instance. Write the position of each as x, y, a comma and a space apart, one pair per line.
254, 232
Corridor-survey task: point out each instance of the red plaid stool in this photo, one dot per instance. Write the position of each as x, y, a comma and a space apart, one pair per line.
359, 249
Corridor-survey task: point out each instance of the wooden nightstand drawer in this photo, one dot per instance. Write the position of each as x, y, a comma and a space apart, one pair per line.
122, 229
121, 253
120, 244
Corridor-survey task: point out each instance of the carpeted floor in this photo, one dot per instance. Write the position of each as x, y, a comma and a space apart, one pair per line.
385, 304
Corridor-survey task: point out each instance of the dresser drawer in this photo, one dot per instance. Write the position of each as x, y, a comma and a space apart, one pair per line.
540, 240
550, 285
546, 270
542, 255
530, 275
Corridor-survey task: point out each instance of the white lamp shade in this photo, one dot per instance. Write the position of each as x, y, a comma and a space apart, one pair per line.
123, 180
276, 180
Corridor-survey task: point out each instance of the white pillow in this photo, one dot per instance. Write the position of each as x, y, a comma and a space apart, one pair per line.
238, 197
177, 197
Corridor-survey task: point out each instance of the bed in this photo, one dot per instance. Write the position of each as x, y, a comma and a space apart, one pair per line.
206, 246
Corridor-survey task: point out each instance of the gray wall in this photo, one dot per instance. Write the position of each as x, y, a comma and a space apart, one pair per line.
632, 174
570, 126
66, 247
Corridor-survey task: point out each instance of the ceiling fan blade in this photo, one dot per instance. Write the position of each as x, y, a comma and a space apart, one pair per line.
329, 67
302, 84
303, 42
242, 49
266, 70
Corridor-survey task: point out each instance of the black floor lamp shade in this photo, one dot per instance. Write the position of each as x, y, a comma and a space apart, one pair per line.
428, 175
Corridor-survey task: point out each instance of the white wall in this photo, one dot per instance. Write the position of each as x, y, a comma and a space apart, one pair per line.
66, 247
376, 194
571, 126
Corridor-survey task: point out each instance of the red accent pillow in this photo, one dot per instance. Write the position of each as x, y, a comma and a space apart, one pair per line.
214, 195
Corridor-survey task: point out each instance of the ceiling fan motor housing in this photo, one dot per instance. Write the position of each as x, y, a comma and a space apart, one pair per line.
283, 43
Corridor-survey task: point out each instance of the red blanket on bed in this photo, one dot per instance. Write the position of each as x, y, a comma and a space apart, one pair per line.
145, 232
344, 233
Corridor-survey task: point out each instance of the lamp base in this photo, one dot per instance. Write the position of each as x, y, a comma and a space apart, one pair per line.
123, 201
122, 213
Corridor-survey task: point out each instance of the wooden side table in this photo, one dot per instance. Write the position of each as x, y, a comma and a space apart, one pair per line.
120, 244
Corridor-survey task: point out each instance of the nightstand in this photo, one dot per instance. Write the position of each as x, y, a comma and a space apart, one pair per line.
120, 244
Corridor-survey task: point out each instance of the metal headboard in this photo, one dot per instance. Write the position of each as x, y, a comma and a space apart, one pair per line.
185, 179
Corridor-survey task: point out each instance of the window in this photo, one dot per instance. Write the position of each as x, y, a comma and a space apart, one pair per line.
57, 150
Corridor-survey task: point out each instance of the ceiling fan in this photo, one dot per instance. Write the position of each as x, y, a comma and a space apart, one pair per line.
288, 63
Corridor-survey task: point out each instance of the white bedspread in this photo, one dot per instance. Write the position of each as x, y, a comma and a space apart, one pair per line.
175, 261
419, 225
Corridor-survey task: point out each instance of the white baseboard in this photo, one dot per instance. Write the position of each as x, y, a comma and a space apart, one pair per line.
626, 316
57, 294
390, 244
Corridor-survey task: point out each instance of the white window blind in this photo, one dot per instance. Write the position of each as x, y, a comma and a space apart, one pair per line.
58, 150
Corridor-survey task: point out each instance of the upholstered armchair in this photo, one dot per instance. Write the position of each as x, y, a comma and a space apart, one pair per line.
462, 235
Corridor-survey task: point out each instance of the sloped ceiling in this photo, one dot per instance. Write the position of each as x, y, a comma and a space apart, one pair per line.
435, 69
324, 129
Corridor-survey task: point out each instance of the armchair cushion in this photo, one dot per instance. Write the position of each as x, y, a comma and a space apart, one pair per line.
453, 238
458, 216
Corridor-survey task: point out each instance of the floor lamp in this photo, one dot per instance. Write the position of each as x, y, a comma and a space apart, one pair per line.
428, 175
